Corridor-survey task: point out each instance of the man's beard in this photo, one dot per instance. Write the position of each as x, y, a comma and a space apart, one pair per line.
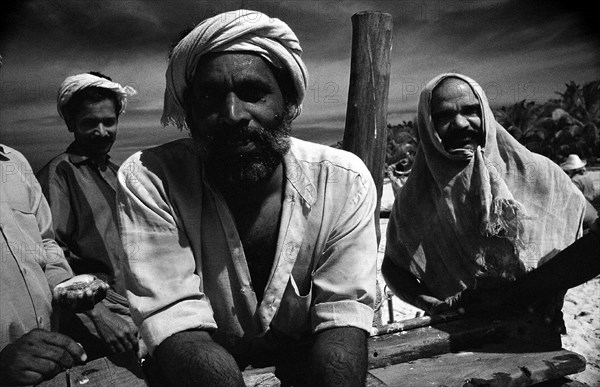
244, 169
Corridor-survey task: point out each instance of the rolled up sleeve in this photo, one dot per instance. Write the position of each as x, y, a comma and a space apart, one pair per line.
345, 281
163, 287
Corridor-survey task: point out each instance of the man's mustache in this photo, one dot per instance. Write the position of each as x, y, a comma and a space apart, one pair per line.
103, 139
223, 135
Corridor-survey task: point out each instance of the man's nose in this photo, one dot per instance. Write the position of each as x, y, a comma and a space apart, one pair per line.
233, 110
460, 121
101, 130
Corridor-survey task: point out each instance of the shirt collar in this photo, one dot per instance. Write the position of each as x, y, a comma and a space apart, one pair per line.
299, 178
77, 156
4, 152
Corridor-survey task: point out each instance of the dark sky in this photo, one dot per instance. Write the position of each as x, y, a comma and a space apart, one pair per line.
516, 50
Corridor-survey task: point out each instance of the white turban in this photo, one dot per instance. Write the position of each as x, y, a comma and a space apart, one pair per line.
236, 31
75, 83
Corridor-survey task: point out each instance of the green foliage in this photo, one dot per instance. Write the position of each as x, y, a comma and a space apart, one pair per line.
561, 126
402, 142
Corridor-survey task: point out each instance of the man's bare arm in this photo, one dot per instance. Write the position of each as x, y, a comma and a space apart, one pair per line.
339, 358
406, 287
192, 358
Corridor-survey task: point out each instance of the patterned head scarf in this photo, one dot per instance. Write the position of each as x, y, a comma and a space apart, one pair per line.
75, 83
236, 31
497, 211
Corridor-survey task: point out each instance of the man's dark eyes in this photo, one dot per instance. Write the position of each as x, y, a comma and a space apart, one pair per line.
472, 110
247, 94
443, 117
252, 94
94, 123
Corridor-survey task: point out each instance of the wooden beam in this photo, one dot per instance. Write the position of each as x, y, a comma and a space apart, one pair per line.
522, 333
482, 367
366, 114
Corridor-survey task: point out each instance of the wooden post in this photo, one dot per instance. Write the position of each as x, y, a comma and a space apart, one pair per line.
366, 114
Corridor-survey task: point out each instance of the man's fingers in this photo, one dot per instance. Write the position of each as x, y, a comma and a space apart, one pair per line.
74, 349
117, 346
46, 367
126, 343
28, 377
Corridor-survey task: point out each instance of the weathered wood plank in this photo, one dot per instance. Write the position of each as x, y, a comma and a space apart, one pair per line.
413, 323
470, 369
453, 336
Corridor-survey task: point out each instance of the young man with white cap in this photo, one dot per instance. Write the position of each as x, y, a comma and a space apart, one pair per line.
80, 186
253, 247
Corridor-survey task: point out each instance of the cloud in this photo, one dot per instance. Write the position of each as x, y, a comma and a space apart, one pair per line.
509, 43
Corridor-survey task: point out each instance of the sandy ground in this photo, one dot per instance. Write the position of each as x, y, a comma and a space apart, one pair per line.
581, 312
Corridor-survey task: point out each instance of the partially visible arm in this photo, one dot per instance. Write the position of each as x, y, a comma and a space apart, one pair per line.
406, 287
590, 215
37, 356
113, 330
57, 268
571, 267
56, 195
578, 263
164, 287
192, 358
339, 358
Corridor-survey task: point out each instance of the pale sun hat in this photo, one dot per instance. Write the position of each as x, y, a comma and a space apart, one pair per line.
573, 162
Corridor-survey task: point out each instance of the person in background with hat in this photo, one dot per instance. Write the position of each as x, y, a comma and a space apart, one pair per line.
254, 248
80, 186
575, 168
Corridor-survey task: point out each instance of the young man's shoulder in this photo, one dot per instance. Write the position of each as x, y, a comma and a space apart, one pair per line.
57, 166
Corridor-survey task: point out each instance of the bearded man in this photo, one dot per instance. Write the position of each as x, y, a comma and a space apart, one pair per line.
252, 247
479, 209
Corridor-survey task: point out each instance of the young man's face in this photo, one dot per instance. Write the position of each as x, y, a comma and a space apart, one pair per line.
95, 127
236, 111
456, 115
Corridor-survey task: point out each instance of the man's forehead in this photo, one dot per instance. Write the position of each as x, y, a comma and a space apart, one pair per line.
235, 64
89, 107
453, 89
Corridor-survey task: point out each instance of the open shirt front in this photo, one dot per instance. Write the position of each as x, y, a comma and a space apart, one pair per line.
186, 267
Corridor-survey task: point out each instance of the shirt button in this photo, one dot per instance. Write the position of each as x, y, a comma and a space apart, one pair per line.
24, 270
40, 320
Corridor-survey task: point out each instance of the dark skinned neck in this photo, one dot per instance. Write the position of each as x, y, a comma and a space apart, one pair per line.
100, 161
242, 198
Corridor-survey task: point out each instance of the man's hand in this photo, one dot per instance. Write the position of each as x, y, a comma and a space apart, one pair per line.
81, 292
483, 301
117, 333
37, 356
431, 305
